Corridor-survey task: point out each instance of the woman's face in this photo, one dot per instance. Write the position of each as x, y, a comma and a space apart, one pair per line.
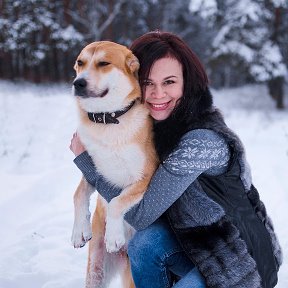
164, 87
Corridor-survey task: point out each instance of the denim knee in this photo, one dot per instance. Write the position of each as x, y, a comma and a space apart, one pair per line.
141, 247
155, 254
154, 243
147, 258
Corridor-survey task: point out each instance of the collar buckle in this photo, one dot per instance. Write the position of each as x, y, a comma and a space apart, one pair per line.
109, 117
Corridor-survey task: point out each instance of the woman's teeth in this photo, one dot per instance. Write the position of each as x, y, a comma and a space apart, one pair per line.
159, 106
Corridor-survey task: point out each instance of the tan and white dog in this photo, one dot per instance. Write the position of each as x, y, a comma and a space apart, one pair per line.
116, 130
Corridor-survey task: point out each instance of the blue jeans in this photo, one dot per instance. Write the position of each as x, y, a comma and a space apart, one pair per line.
156, 255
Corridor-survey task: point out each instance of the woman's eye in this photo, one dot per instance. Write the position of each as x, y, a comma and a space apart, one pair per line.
167, 82
147, 83
103, 63
80, 63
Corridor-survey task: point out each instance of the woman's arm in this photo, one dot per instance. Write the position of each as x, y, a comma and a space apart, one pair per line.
199, 151
106, 189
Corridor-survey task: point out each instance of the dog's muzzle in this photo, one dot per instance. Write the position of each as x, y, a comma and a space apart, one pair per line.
80, 89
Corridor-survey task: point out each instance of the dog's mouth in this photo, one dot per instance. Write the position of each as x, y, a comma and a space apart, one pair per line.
91, 94
101, 94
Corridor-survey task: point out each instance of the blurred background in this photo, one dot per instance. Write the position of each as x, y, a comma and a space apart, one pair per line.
239, 41
243, 45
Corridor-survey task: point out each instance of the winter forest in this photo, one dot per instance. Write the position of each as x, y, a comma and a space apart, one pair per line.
243, 45
239, 41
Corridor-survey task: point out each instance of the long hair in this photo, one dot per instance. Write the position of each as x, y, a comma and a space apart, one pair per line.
196, 98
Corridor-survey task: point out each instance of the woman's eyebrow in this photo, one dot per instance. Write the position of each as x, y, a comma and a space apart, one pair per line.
170, 77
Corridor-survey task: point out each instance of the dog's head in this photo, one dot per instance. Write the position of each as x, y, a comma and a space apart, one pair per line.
106, 77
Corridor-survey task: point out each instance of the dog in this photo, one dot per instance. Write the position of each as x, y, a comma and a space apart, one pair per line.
116, 129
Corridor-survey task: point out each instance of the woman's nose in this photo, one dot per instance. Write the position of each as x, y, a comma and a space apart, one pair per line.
158, 92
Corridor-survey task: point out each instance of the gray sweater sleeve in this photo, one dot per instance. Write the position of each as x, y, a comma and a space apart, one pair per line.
199, 151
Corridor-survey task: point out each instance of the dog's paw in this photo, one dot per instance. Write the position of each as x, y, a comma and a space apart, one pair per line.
115, 243
114, 235
81, 234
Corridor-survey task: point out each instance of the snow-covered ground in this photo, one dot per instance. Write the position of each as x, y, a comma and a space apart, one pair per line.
38, 178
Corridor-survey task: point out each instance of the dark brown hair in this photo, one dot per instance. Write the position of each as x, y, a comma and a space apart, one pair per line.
196, 99
155, 45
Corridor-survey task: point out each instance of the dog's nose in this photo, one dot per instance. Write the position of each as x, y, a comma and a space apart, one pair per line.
80, 84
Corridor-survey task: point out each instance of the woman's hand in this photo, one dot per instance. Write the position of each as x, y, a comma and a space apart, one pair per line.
76, 146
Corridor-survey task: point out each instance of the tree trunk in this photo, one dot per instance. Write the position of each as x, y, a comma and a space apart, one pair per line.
276, 91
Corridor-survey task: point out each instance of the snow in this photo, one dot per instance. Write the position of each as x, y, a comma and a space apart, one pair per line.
271, 63
68, 34
280, 3
206, 8
236, 48
38, 178
248, 10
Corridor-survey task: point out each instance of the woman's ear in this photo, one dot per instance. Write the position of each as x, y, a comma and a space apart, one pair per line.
132, 63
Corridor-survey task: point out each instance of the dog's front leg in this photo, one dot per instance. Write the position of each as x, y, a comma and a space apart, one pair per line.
82, 229
97, 275
115, 231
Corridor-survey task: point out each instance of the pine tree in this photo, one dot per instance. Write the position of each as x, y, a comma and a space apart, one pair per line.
243, 40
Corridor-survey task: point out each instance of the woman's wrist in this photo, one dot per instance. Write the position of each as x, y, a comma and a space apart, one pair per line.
85, 163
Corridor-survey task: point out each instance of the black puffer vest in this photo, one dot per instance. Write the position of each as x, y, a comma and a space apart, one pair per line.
241, 249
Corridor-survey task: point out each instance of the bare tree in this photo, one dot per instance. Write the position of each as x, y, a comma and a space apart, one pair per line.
99, 16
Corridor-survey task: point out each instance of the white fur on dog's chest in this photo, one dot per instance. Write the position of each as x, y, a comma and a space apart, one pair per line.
121, 166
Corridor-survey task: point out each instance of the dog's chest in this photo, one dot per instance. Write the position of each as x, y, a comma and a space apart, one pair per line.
122, 165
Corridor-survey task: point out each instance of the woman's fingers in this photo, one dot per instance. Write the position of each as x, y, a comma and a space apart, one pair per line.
76, 145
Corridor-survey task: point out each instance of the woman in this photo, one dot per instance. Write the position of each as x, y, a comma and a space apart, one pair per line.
201, 218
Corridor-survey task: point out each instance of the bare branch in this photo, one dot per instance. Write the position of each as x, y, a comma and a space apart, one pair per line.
111, 17
77, 18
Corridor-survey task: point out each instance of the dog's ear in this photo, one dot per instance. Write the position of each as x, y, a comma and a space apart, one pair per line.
132, 63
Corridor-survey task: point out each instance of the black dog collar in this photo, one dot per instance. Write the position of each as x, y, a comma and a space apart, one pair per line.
109, 117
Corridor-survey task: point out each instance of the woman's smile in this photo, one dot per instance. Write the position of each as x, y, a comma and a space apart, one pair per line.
159, 107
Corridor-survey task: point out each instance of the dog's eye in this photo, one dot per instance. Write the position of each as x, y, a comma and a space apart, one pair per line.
103, 63
80, 63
